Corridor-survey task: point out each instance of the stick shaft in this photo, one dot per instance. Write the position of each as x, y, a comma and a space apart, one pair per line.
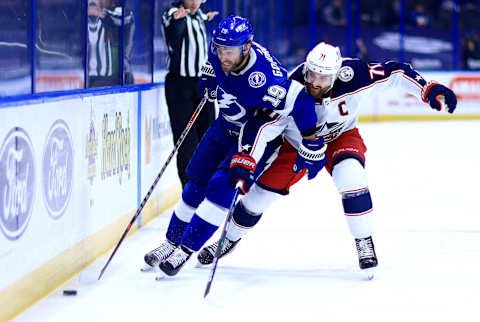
218, 251
150, 191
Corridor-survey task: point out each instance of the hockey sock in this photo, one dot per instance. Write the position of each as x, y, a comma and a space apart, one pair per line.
181, 217
192, 195
351, 181
203, 225
243, 220
358, 212
176, 228
197, 233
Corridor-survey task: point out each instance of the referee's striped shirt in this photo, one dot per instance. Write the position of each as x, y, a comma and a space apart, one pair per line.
186, 41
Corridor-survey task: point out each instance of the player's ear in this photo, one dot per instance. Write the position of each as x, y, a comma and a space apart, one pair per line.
248, 45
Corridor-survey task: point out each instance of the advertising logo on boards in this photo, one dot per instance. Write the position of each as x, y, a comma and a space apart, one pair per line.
57, 169
116, 146
467, 88
91, 149
156, 129
17, 183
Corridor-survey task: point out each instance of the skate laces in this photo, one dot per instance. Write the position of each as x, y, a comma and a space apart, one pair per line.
164, 250
365, 248
178, 257
226, 246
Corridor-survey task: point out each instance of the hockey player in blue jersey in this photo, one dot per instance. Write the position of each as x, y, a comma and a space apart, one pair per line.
339, 86
247, 80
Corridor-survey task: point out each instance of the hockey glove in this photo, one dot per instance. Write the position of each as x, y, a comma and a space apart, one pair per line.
242, 168
206, 87
439, 96
207, 82
311, 156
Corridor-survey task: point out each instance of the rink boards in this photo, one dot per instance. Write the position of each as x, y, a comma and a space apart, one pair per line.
73, 170
394, 105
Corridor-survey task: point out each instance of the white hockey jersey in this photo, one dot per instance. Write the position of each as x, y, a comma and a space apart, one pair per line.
338, 110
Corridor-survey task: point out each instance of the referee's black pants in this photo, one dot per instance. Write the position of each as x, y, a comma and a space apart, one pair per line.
183, 96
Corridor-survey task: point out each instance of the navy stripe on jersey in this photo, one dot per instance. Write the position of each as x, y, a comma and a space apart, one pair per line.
366, 74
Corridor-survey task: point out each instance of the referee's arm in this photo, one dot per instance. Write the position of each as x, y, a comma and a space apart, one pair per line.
174, 28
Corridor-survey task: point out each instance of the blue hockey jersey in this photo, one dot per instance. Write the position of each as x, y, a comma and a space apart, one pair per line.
261, 84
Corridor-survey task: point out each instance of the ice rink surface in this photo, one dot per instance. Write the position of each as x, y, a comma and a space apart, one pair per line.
300, 262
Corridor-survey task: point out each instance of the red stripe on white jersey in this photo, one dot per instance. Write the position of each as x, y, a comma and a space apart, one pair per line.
413, 81
369, 86
260, 132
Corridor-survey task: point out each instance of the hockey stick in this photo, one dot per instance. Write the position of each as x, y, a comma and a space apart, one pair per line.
221, 241
144, 201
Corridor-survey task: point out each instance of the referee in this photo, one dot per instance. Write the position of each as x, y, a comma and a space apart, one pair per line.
186, 37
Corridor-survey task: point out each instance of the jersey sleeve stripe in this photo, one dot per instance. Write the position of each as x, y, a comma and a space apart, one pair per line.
412, 80
171, 11
369, 86
259, 134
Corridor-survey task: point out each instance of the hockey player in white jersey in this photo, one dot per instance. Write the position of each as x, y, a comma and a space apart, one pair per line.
339, 87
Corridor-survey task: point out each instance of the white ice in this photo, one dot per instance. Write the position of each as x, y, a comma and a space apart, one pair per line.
300, 263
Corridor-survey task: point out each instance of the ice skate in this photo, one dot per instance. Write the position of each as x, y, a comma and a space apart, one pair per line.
173, 263
207, 254
154, 257
367, 258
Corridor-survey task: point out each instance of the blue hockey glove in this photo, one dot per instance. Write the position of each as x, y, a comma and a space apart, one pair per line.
205, 85
439, 96
311, 156
242, 168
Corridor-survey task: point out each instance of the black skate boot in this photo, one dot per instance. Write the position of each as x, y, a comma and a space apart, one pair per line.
173, 263
154, 257
207, 254
367, 258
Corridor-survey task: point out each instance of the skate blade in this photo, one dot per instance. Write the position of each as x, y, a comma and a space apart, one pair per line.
149, 269
161, 276
200, 265
369, 273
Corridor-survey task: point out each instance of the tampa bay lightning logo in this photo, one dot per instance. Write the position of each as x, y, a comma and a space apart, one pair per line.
230, 109
257, 79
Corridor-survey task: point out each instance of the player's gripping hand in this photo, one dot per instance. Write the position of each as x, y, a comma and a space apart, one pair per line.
439, 97
204, 88
208, 82
242, 168
311, 156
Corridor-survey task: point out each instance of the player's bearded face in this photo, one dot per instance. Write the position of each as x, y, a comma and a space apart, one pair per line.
318, 84
230, 57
